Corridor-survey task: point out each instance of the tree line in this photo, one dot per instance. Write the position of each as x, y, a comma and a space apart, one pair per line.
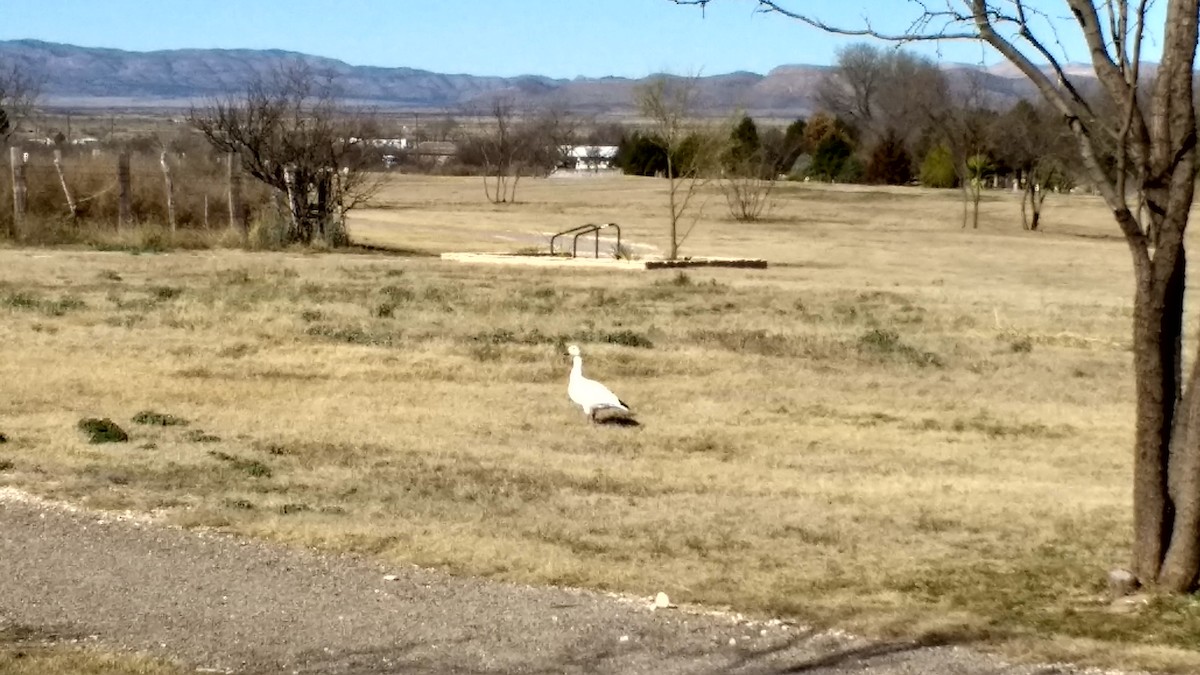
884, 117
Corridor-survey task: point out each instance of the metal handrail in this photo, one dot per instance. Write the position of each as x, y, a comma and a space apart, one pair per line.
581, 230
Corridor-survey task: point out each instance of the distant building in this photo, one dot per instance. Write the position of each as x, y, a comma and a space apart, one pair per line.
394, 143
589, 157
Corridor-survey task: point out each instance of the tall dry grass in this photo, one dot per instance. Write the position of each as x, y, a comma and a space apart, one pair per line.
899, 427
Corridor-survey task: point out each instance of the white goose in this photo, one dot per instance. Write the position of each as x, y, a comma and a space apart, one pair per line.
593, 396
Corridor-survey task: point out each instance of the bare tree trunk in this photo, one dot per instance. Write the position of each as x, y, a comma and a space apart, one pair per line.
976, 195
1026, 201
20, 189
672, 186
1038, 199
289, 178
1157, 336
323, 206
512, 193
62, 179
237, 214
170, 186
124, 201
966, 203
297, 196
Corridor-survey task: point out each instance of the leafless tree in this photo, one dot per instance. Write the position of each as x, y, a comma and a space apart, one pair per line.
1139, 146
19, 92
502, 153
880, 90
963, 121
748, 192
669, 102
292, 133
553, 131
1039, 150
445, 128
517, 144
749, 174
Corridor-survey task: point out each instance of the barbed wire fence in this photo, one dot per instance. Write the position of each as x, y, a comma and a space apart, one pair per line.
48, 188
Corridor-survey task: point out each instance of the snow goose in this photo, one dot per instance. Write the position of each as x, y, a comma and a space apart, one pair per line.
594, 397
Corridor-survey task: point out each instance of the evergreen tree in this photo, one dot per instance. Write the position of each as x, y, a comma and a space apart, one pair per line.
890, 163
830, 157
744, 146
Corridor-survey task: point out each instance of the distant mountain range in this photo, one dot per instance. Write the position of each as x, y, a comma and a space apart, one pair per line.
93, 78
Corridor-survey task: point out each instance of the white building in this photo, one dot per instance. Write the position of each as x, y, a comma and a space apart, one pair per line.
590, 157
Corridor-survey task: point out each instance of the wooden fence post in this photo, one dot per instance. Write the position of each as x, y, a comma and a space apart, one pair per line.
125, 202
20, 189
237, 214
170, 190
62, 178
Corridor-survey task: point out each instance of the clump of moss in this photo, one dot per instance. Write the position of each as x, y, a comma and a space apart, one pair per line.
102, 430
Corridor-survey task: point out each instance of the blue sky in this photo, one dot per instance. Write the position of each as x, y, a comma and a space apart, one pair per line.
559, 38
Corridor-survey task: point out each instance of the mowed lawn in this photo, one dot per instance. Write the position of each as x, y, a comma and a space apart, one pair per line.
900, 427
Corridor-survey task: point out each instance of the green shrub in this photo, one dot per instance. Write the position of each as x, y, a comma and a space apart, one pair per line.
937, 169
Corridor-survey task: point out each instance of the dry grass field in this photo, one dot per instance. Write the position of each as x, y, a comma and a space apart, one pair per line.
900, 427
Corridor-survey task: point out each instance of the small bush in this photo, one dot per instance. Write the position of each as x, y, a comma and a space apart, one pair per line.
1022, 345
484, 352
6, 465
622, 252
151, 418
681, 279
165, 292
102, 430
355, 335
626, 338
384, 310
885, 342
198, 436
21, 300
880, 340
250, 467
498, 336
747, 341
397, 295
62, 305
3, 438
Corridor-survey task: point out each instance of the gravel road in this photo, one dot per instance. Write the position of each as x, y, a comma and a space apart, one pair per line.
226, 604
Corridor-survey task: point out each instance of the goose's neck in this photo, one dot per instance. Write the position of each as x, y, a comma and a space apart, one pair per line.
577, 366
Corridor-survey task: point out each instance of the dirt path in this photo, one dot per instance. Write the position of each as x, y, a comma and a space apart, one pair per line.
219, 602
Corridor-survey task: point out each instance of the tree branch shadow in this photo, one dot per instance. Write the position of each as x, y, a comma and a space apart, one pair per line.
853, 656
586, 657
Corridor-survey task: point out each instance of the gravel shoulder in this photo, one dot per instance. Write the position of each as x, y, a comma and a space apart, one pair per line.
227, 604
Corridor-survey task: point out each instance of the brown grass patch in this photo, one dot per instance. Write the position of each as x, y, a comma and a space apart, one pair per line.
896, 423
